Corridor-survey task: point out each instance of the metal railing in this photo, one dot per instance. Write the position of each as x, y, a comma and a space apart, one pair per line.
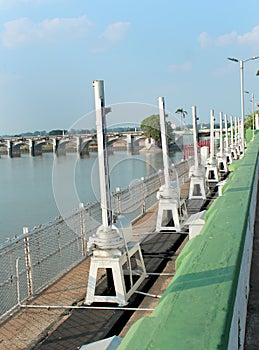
47, 252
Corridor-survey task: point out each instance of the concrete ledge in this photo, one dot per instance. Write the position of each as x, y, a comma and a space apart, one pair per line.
201, 308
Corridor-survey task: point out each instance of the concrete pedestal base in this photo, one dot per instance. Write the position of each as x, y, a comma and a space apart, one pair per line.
127, 272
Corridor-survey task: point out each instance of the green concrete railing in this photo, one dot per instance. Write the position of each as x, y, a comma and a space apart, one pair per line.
204, 307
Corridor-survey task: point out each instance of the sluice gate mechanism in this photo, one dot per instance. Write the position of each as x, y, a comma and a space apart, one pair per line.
171, 209
112, 252
198, 184
212, 174
228, 153
221, 156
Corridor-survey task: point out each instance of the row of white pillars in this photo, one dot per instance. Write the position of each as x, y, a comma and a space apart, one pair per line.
110, 249
229, 148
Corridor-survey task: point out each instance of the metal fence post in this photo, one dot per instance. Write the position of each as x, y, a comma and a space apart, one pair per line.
143, 195
28, 262
83, 228
118, 194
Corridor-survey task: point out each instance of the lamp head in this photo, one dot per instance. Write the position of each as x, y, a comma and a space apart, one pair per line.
233, 59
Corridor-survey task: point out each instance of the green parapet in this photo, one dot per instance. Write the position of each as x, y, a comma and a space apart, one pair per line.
195, 311
249, 135
235, 165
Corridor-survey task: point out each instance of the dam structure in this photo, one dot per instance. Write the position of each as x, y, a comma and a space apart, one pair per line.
204, 306
180, 288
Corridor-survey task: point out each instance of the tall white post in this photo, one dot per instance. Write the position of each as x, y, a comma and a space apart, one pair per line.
111, 250
197, 189
226, 133
232, 139
253, 115
228, 152
242, 105
102, 154
161, 105
231, 132
106, 236
212, 146
221, 158
240, 131
221, 133
236, 133
195, 137
212, 166
171, 210
241, 66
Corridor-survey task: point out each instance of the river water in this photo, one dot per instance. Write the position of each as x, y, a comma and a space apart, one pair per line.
34, 190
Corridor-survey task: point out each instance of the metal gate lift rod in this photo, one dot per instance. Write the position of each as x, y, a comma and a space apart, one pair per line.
212, 166
236, 137
106, 236
221, 134
212, 146
226, 132
232, 142
227, 149
231, 132
102, 156
195, 137
161, 105
221, 156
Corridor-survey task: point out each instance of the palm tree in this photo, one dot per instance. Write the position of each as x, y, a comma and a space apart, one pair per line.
182, 113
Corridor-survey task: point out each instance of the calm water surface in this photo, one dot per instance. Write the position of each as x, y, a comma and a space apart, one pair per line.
36, 189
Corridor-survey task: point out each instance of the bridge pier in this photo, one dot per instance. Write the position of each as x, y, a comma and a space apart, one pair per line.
55, 145
32, 147
10, 148
130, 143
81, 150
79, 144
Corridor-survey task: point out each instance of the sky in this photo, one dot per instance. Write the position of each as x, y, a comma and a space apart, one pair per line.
52, 50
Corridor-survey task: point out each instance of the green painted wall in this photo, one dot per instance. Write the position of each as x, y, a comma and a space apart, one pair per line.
195, 312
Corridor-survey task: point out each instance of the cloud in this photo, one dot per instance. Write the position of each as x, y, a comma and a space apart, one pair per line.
115, 31
233, 38
250, 38
180, 68
24, 31
204, 40
113, 34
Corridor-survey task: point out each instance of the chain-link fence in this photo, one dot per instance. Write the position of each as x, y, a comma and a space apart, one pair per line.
45, 253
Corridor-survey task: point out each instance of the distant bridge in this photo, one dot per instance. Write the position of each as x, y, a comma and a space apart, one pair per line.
58, 144
83, 143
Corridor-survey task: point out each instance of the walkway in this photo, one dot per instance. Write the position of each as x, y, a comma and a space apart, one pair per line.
67, 329
29, 327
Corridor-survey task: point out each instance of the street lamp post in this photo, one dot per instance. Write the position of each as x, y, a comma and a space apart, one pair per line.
241, 65
253, 115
